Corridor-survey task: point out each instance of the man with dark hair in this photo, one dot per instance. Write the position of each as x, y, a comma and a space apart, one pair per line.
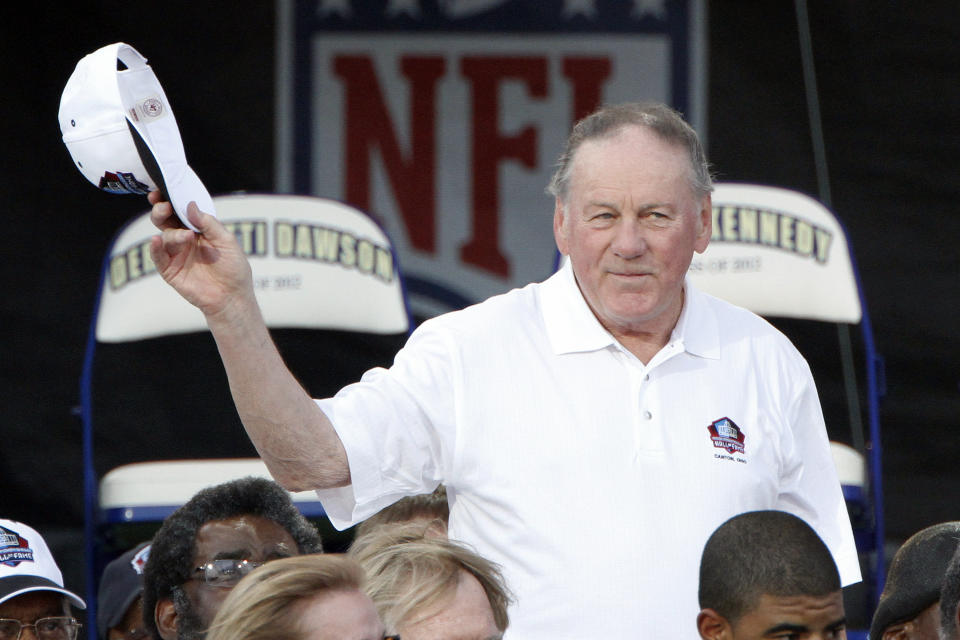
614, 385
766, 574
950, 600
909, 607
120, 596
203, 549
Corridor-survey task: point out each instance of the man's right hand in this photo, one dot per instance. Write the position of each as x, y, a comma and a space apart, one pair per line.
209, 269
294, 437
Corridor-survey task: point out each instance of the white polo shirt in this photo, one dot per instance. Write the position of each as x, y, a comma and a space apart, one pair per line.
593, 480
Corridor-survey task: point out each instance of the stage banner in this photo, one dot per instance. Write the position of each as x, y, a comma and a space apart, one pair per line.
444, 118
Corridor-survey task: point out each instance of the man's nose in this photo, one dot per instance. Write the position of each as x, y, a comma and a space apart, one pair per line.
630, 241
31, 630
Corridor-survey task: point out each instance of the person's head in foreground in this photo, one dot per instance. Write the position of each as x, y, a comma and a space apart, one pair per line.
429, 509
950, 600
909, 607
203, 549
429, 588
767, 574
32, 597
311, 597
632, 205
119, 598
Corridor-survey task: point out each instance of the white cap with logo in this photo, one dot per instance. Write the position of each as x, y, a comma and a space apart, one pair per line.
26, 564
119, 128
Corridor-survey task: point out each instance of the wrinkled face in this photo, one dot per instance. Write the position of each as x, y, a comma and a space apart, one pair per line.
466, 615
630, 226
793, 618
252, 538
33, 605
340, 615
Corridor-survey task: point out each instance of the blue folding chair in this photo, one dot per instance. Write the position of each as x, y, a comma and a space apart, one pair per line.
155, 405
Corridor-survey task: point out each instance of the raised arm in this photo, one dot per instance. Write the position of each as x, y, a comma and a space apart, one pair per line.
293, 436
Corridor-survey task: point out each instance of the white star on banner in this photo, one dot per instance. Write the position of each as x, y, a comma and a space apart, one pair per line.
655, 8
572, 8
409, 7
459, 9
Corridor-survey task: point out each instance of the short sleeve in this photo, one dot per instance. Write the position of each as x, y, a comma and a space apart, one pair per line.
397, 427
810, 486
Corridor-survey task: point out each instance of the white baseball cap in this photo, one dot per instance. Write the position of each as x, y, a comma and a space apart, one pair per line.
26, 564
120, 130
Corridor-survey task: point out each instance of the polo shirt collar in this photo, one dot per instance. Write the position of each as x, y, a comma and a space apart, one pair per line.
571, 326
697, 327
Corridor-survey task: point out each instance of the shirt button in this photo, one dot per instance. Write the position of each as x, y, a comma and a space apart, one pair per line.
647, 415
646, 377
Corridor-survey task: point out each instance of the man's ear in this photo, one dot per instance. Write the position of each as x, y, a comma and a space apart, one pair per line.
704, 224
559, 233
713, 626
165, 617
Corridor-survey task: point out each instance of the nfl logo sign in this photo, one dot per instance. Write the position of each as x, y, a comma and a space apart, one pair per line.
444, 118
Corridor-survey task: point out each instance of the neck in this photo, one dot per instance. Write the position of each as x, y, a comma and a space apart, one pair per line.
646, 341
643, 346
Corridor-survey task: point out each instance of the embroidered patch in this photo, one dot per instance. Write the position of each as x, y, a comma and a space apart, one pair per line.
122, 182
13, 548
727, 435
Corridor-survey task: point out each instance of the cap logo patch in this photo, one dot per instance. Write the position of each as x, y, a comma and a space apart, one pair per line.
13, 548
122, 182
139, 560
151, 108
725, 434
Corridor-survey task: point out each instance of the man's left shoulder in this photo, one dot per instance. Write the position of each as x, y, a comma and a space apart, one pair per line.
736, 324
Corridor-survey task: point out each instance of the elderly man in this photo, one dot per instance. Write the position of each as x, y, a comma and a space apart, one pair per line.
32, 597
428, 588
909, 607
591, 430
766, 574
203, 549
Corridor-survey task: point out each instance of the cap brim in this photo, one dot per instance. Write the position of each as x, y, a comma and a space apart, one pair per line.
188, 189
173, 176
18, 585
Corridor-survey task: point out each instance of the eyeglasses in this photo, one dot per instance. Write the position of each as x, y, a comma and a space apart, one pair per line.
225, 572
58, 628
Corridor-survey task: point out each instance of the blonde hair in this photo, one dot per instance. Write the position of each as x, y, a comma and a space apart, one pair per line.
260, 606
408, 573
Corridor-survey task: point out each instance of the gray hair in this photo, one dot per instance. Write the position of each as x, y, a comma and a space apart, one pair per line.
668, 124
408, 574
